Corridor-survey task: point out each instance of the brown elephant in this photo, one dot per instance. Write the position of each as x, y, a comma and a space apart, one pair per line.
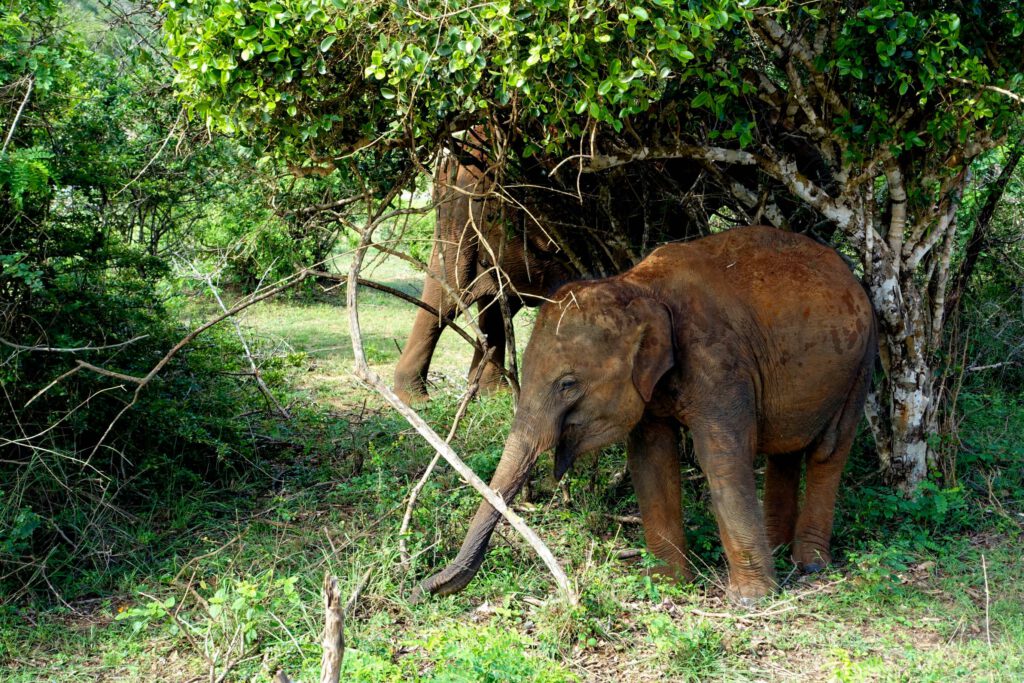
466, 212
756, 340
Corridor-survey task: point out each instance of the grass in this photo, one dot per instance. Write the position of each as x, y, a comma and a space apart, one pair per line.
929, 590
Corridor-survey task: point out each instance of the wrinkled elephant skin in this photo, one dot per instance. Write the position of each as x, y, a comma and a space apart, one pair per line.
756, 340
471, 236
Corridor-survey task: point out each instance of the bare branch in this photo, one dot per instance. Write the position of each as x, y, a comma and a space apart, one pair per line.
403, 551
17, 115
79, 349
993, 88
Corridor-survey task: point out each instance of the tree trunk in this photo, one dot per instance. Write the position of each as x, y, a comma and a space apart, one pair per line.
909, 392
908, 283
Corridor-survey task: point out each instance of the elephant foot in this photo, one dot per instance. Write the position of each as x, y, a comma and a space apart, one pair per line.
748, 594
811, 560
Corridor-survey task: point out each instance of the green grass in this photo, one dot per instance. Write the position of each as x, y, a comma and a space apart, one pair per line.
238, 590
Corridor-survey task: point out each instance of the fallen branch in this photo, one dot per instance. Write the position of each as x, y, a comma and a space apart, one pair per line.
254, 369
141, 382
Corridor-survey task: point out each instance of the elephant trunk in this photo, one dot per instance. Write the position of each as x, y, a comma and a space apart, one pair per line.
516, 461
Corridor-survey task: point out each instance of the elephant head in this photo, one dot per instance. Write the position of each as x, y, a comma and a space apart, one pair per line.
596, 353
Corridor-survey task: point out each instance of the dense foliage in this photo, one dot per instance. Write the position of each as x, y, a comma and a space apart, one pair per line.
109, 206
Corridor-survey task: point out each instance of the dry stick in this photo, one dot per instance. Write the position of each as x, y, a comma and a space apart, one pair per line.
364, 373
253, 368
357, 591
334, 632
57, 349
984, 572
14, 124
403, 550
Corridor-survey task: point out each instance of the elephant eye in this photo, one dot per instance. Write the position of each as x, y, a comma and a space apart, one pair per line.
567, 384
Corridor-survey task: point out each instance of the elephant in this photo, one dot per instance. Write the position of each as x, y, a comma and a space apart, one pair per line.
753, 339
470, 238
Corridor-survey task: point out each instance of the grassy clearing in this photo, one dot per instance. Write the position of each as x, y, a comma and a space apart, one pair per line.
234, 592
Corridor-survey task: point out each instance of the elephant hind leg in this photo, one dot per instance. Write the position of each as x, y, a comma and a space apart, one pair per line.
825, 464
781, 489
492, 324
412, 367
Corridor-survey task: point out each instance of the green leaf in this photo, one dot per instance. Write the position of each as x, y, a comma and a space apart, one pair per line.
326, 43
641, 13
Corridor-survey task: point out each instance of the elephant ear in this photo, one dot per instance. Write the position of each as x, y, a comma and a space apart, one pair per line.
655, 354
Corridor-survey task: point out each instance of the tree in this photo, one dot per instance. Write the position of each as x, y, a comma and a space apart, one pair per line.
856, 120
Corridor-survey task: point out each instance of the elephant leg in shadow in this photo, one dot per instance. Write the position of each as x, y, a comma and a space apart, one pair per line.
411, 371
492, 324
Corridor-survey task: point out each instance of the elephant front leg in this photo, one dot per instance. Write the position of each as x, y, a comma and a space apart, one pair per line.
726, 455
653, 455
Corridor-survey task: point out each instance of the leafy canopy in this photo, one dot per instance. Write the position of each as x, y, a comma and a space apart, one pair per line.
322, 76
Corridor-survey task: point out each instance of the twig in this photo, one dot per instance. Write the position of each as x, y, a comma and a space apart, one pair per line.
984, 572
992, 88
260, 384
625, 519
979, 368
110, 373
401, 295
55, 349
365, 373
153, 158
141, 382
51, 384
334, 632
17, 115
403, 550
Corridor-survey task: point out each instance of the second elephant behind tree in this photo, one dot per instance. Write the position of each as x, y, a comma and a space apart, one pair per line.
471, 239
